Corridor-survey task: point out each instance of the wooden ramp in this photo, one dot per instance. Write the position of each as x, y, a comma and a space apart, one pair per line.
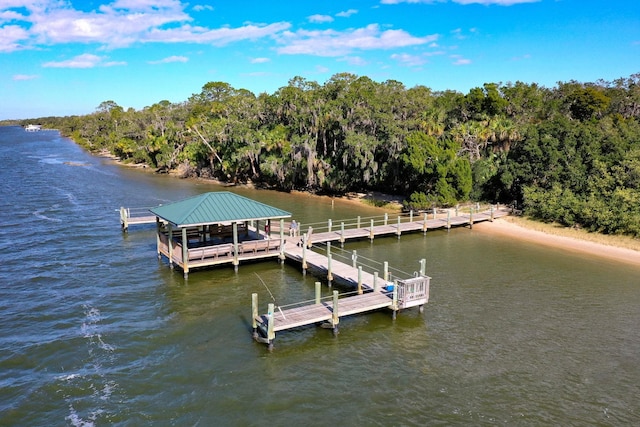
323, 312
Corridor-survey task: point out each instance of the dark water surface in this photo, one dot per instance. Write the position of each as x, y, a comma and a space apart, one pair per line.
94, 330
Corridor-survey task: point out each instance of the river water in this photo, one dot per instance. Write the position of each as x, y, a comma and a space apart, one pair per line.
94, 330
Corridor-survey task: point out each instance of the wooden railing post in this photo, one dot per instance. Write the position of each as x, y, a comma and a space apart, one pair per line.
342, 233
329, 273
386, 218
358, 222
354, 258
398, 232
359, 280
329, 225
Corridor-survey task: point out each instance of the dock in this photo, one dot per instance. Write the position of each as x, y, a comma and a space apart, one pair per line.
135, 216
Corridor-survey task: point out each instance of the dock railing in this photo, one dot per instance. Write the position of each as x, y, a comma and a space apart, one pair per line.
129, 216
396, 218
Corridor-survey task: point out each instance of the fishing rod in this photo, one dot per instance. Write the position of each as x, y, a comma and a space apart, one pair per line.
272, 297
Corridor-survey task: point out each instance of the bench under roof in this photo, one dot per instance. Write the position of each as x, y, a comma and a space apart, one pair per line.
216, 208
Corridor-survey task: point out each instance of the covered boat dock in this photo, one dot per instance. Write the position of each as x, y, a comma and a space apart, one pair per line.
218, 228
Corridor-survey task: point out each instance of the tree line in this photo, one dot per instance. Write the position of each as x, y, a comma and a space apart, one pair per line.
569, 154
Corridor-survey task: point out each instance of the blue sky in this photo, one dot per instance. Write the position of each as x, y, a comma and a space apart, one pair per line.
60, 57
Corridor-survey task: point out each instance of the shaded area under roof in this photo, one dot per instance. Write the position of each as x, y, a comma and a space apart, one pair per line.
215, 208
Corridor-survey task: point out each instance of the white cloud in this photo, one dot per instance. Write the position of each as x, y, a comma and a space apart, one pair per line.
20, 77
201, 7
260, 60
347, 13
354, 60
170, 59
86, 60
409, 60
340, 43
120, 23
220, 36
459, 60
319, 19
322, 69
12, 38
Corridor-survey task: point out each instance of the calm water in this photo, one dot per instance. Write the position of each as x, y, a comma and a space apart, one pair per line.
94, 330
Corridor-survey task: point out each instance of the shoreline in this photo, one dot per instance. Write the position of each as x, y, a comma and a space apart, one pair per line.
509, 228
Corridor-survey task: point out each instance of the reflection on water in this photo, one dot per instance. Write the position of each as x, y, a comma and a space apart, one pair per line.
95, 330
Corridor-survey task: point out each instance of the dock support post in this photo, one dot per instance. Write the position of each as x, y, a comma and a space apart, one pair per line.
359, 280
424, 224
234, 227
471, 218
358, 222
309, 234
123, 219
398, 232
341, 233
386, 218
411, 215
304, 254
394, 305
457, 207
371, 233
423, 267
375, 281
158, 241
448, 220
335, 318
318, 292
354, 258
271, 335
491, 210
170, 239
385, 274
434, 213
282, 257
254, 315
329, 224
329, 273
185, 253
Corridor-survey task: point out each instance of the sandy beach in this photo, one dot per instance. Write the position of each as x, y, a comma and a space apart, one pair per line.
507, 228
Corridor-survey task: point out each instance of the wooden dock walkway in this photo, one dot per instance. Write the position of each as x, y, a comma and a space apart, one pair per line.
387, 227
373, 291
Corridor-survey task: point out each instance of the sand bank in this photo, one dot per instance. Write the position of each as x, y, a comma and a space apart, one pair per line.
506, 228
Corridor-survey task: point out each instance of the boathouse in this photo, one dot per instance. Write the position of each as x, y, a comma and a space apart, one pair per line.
218, 228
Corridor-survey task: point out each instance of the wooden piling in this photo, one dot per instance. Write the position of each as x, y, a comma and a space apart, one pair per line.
318, 292
359, 280
254, 315
335, 317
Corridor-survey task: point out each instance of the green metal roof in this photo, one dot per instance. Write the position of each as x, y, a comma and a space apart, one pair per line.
215, 208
